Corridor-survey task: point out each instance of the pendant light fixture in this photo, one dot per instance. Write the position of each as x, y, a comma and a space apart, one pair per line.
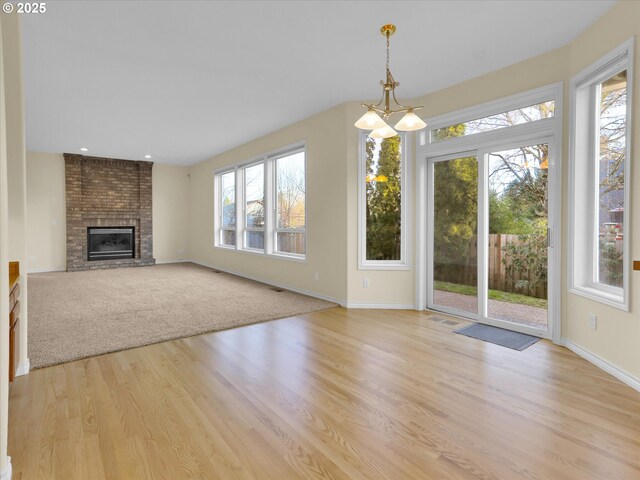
372, 121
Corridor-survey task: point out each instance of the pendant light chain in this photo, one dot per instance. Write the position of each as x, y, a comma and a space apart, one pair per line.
387, 35
372, 120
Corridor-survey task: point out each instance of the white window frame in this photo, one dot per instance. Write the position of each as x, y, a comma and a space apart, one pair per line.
506, 104
218, 209
268, 160
583, 197
274, 161
546, 130
245, 229
405, 165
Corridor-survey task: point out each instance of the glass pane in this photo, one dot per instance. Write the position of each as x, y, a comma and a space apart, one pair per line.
228, 237
612, 132
455, 232
528, 114
290, 242
228, 199
255, 239
254, 196
518, 235
383, 198
291, 191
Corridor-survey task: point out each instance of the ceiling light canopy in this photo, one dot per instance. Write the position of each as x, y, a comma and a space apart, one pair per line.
372, 121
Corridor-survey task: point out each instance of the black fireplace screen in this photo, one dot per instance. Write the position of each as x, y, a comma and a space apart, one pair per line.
110, 243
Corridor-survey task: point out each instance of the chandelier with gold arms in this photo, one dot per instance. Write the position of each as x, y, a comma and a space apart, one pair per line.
372, 121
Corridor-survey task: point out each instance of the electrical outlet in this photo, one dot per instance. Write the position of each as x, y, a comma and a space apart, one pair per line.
365, 283
593, 321
317, 276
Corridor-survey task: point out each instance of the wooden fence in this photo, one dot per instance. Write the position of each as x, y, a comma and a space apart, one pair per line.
464, 270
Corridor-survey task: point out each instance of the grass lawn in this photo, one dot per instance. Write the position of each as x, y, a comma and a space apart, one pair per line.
493, 294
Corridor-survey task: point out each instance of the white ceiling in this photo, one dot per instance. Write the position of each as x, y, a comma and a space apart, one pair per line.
183, 81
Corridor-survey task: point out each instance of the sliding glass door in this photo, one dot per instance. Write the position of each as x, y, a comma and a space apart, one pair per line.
517, 236
455, 234
488, 218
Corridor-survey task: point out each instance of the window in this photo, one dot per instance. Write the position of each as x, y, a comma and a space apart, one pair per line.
228, 209
599, 165
527, 114
254, 206
271, 193
290, 207
382, 203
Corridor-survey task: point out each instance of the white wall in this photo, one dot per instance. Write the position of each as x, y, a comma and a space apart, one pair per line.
326, 202
617, 338
170, 213
46, 212
616, 343
5, 467
12, 206
46, 219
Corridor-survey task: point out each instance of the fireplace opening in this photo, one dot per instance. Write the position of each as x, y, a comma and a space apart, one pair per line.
110, 243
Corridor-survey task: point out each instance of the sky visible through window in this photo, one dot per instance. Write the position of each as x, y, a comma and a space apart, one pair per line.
511, 118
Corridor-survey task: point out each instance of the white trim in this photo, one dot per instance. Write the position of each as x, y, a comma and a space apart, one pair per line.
617, 372
421, 232
273, 220
260, 253
583, 230
405, 194
163, 262
6, 475
382, 306
543, 131
46, 270
257, 278
23, 368
268, 161
492, 107
554, 219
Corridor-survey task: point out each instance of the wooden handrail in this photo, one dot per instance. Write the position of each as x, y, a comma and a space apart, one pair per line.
14, 273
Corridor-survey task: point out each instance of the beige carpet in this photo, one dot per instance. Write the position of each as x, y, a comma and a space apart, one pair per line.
83, 314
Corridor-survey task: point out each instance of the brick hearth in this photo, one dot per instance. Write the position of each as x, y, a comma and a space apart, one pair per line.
105, 192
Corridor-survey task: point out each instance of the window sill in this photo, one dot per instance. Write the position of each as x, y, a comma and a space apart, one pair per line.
597, 295
262, 254
384, 266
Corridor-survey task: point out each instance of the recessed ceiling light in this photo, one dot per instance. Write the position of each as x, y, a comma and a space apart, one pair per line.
83, 149
147, 156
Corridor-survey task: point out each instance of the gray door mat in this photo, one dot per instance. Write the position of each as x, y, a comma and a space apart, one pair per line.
499, 336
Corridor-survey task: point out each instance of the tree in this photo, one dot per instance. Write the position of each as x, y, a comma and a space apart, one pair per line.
612, 127
291, 192
455, 219
383, 192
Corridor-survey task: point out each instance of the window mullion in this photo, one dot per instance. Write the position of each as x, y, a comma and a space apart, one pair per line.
269, 178
240, 209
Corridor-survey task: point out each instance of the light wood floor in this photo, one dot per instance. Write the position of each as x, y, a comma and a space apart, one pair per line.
344, 394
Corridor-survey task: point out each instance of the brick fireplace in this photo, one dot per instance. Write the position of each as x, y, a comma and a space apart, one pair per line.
107, 193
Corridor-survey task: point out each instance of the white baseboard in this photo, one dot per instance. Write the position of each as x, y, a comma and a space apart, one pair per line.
599, 362
23, 368
6, 474
256, 278
384, 306
162, 262
45, 270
